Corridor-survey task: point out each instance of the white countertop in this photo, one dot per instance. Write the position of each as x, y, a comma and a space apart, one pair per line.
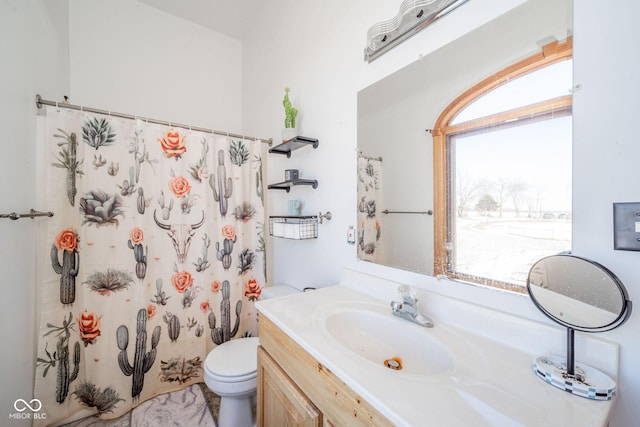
490, 383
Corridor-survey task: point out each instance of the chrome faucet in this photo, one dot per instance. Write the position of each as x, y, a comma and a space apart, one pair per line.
407, 309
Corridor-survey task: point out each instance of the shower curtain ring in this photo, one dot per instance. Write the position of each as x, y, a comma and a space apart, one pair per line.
57, 107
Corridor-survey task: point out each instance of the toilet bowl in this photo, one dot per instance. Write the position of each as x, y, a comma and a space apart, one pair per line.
230, 372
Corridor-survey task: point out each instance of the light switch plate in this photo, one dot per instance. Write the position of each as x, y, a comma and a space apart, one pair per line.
626, 226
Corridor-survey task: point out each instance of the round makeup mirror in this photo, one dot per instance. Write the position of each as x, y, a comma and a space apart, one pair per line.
578, 293
582, 295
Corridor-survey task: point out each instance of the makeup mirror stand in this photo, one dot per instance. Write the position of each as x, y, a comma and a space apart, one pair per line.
581, 380
570, 352
570, 290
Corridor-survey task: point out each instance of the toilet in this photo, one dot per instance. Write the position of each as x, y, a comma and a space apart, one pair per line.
230, 372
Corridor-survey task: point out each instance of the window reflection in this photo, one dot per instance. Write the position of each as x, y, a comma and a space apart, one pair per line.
512, 206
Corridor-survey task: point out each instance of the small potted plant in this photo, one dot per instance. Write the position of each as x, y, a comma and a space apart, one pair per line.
290, 130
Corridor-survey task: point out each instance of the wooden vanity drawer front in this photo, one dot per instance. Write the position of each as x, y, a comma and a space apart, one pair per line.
337, 402
280, 402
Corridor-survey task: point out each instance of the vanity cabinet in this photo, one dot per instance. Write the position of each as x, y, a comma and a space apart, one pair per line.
295, 389
280, 401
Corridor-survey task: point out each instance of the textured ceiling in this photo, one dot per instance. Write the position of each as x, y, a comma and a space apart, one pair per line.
229, 17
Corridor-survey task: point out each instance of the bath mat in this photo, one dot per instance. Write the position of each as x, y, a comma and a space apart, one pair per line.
192, 406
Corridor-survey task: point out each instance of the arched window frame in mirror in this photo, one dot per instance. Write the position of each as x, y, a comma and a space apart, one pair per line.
444, 128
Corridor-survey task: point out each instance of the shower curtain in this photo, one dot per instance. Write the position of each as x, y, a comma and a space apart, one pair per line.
370, 247
155, 255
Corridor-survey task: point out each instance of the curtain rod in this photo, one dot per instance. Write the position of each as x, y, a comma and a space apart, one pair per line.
429, 212
40, 102
369, 157
32, 214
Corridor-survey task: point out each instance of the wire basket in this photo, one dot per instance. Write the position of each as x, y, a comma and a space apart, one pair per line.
294, 227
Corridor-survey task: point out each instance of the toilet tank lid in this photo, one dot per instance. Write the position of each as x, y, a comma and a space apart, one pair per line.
278, 291
234, 358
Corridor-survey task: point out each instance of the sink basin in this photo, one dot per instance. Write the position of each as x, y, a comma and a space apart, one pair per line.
371, 332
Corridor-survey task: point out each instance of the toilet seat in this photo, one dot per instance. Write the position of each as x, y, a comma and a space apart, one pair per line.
233, 361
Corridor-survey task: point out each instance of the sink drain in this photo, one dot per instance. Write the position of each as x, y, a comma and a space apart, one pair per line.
394, 363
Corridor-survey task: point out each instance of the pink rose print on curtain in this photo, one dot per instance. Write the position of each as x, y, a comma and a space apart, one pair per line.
252, 289
172, 144
89, 327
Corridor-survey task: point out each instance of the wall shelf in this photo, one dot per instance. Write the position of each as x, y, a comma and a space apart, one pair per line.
294, 227
293, 144
297, 227
286, 185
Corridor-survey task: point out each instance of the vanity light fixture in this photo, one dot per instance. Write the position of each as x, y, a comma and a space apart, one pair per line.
414, 15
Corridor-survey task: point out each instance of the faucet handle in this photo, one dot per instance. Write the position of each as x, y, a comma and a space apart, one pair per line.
408, 294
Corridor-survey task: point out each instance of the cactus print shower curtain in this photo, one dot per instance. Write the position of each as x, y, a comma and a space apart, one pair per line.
370, 246
155, 255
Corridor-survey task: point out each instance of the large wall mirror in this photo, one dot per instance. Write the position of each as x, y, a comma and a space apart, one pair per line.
395, 161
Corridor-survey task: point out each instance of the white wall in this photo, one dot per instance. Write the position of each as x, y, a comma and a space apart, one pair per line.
606, 153
309, 47
34, 48
316, 49
132, 58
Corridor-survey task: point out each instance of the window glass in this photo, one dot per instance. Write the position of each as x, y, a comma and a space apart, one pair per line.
546, 83
503, 173
512, 203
